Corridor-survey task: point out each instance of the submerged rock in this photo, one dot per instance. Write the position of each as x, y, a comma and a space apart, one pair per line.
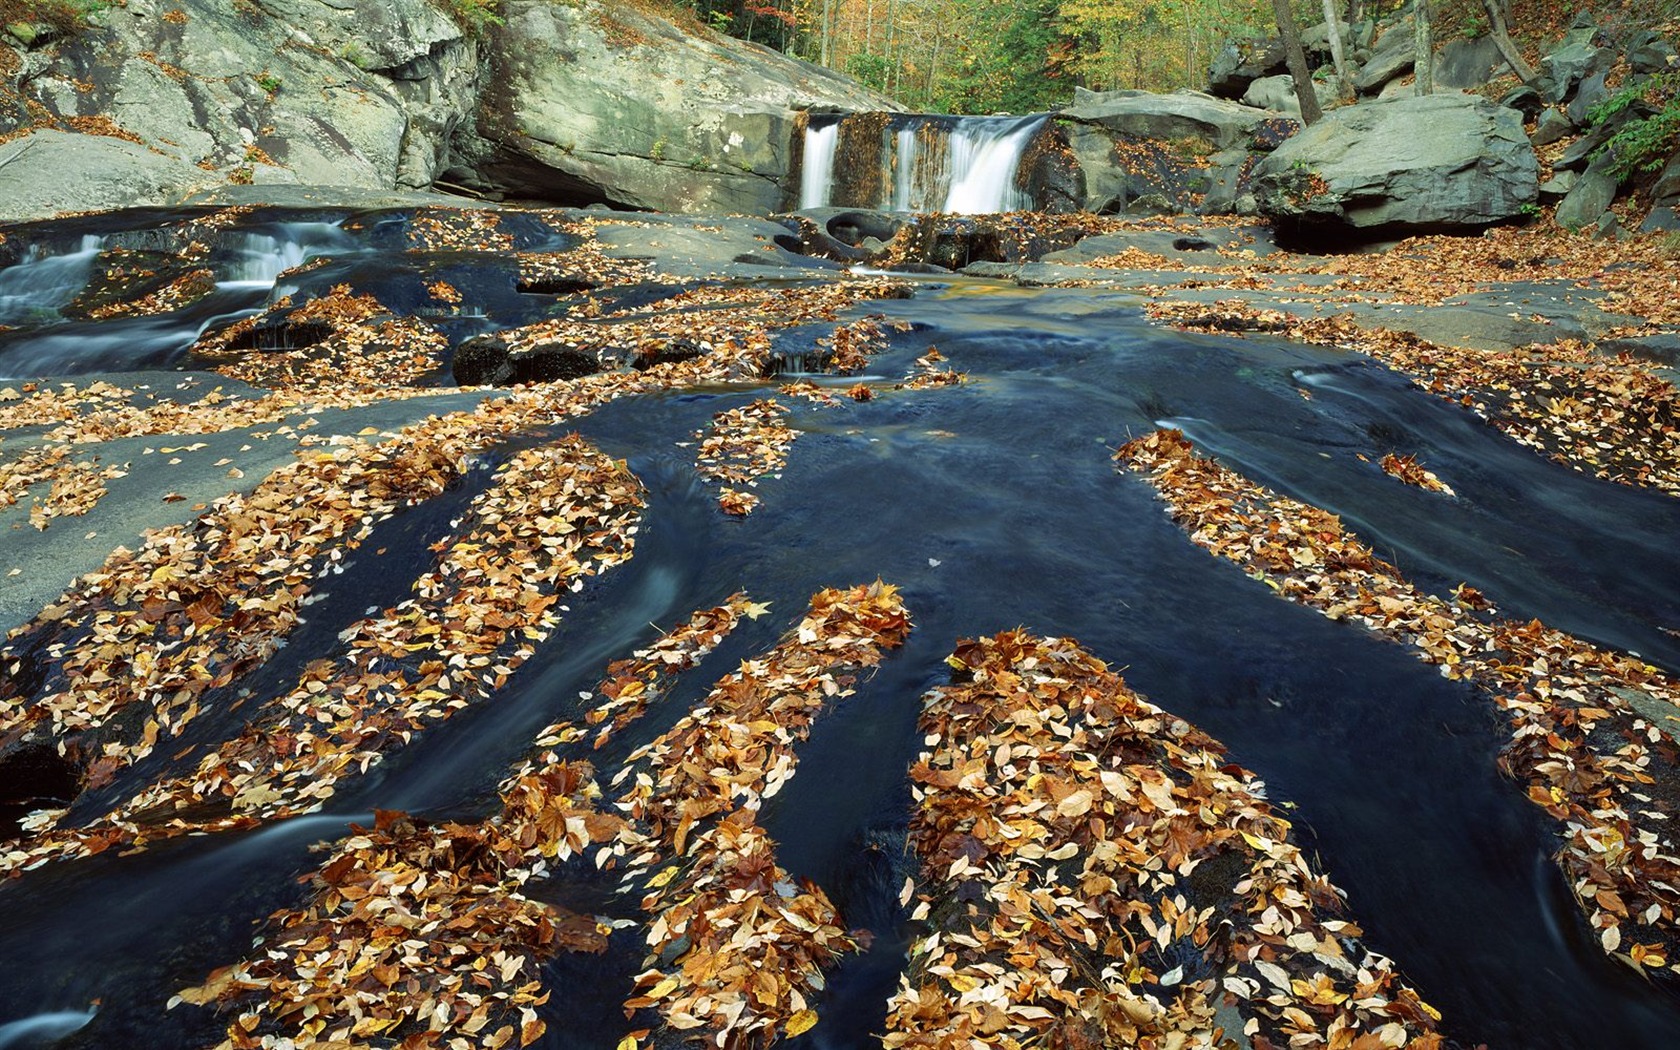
1407, 164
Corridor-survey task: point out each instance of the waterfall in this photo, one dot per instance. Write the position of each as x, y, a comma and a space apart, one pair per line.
915, 162
985, 156
816, 183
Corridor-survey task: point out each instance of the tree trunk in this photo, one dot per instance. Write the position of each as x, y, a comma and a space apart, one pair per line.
1424, 40
826, 33
1502, 40
1291, 33
890, 77
1338, 52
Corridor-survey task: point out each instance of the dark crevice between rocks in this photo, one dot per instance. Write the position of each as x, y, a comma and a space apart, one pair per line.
34, 776
555, 285
283, 335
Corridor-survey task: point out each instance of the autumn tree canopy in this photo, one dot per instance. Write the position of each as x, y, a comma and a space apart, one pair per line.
981, 56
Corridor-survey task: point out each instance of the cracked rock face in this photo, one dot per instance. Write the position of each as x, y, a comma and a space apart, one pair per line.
573, 103
283, 91
600, 103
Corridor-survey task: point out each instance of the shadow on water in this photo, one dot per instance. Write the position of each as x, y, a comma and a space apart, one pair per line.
993, 505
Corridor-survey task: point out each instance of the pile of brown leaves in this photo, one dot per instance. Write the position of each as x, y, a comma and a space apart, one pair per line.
1407, 469
416, 928
1591, 729
1616, 418
931, 371
741, 446
554, 515
1096, 874
367, 348
182, 291
76, 487
736, 947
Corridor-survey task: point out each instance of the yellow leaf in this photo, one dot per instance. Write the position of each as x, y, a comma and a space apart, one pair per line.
663, 988
755, 609
801, 1022
627, 1043
662, 878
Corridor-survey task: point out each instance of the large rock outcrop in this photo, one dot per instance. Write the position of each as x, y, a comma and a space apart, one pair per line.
1400, 165
1148, 152
301, 91
598, 102
591, 101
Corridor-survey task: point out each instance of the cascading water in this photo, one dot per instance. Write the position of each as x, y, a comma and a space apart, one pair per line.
986, 154
257, 258
820, 143
909, 162
35, 288
36, 291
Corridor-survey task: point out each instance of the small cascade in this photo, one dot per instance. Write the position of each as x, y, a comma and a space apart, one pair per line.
33, 289
918, 162
253, 259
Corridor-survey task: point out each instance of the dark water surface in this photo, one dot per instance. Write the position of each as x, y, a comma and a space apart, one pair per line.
994, 505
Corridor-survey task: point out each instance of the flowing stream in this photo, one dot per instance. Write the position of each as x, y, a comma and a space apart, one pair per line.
993, 504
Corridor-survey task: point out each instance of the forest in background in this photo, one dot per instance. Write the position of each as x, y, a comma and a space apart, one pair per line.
981, 56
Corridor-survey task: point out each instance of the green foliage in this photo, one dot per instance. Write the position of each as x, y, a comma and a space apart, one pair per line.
63, 17
1644, 144
267, 81
871, 69
475, 16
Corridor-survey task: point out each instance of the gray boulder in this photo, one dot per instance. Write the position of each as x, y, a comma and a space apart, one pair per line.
1463, 64
1180, 115
1590, 196
1278, 94
1661, 220
1551, 126
1393, 57
1575, 59
1666, 190
1558, 186
53, 171
1649, 53
1589, 93
599, 102
1241, 62
1419, 163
